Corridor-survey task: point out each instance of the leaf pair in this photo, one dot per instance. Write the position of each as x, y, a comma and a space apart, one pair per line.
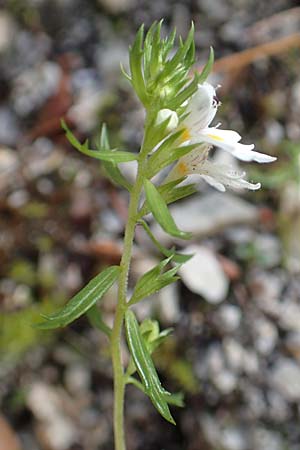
145, 367
154, 280
161, 213
82, 301
104, 154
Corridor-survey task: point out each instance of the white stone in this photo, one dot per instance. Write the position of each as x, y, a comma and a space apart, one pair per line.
286, 379
266, 335
229, 317
210, 214
204, 275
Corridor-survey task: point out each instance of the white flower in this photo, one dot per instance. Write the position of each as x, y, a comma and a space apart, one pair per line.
201, 111
217, 175
164, 114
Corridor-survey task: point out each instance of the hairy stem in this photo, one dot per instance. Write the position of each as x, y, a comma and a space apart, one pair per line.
118, 370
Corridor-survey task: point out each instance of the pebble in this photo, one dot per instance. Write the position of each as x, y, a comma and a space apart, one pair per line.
9, 127
78, 379
210, 214
117, 6
264, 439
228, 317
290, 316
34, 86
7, 31
168, 304
203, 275
56, 429
285, 377
234, 354
268, 250
233, 438
225, 381
265, 335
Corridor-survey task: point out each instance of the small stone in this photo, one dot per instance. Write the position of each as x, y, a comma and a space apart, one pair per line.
9, 163
9, 127
35, 85
78, 379
117, 6
290, 316
228, 318
268, 250
168, 300
7, 30
225, 381
265, 335
278, 408
234, 354
203, 275
234, 438
210, 214
264, 439
285, 377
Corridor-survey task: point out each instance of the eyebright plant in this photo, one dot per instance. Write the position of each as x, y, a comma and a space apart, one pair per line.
177, 135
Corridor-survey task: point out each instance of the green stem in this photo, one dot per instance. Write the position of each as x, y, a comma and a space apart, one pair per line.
118, 371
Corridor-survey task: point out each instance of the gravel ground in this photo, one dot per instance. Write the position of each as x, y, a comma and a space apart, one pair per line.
235, 351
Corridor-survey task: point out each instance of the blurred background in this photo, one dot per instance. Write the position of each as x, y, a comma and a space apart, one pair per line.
235, 350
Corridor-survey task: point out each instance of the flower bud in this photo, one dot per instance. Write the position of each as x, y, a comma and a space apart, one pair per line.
165, 114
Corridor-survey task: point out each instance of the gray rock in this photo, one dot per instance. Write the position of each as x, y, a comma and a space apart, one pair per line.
9, 127
203, 274
285, 377
234, 438
234, 354
7, 30
290, 316
228, 318
117, 6
268, 250
225, 381
210, 214
265, 335
264, 439
35, 85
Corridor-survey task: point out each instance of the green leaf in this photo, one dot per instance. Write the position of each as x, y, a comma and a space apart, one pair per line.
185, 93
104, 155
181, 53
136, 66
176, 257
208, 67
111, 168
171, 195
160, 211
145, 367
153, 280
152, 334
83, 300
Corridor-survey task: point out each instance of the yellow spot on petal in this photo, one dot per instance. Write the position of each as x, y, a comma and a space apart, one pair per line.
186, 135
216, 138
182, 168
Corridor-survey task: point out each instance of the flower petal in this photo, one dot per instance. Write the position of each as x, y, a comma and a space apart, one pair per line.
214, 183
245, 153
202, 107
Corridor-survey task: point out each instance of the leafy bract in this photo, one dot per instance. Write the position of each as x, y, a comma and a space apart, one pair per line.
176, 257
160, 211
113, 155
83, 300
207, 68
145, 367
154, 280
111, 167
